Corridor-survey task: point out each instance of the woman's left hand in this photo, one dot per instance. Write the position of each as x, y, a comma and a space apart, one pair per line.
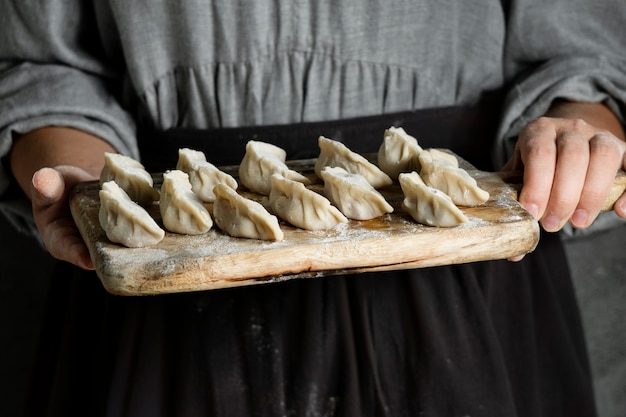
569, 166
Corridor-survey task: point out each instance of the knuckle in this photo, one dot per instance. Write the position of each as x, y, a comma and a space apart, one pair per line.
542, 123
578, 125
563, 205
573, 146
566, 141
606, 145
535, 128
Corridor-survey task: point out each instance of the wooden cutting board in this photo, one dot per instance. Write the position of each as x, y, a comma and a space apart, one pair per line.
499, 229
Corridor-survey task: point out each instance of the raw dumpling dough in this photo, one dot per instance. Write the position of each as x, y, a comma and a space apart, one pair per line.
303, 208
260, 162
398, 153
125, 221
336, 154
454, 181
241, 217
428, 205
131, 176
181, 210
443, 157
353, 195
203, 175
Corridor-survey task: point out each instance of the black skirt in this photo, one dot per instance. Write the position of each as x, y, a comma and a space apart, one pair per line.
483, 339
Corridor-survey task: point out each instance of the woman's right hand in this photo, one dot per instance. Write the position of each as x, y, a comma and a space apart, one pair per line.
50, 200
47, 163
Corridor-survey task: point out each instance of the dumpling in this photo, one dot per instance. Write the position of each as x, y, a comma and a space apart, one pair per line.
125, 221
241, 217
260, 161
353, 195
443, 157
203, 175
131, 176
181, 210
303, 208
428, 205
454, 181
398, 153
336, 154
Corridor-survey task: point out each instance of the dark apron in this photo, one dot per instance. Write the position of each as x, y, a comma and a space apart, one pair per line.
468, 131
482, 339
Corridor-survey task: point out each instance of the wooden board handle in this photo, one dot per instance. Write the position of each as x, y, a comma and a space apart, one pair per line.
619, 186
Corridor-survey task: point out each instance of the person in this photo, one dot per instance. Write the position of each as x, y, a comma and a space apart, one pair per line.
542, 84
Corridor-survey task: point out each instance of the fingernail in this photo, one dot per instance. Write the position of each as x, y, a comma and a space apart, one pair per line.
551, 223
579, 218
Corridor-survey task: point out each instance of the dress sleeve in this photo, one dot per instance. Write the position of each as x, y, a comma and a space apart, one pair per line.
568, 49
56, 71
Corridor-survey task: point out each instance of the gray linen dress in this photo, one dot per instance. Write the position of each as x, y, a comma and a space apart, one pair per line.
489, 339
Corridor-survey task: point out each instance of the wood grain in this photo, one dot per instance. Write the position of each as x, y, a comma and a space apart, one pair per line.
499, 229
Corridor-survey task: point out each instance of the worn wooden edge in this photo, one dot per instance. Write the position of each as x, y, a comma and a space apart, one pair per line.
618, 189
214, 273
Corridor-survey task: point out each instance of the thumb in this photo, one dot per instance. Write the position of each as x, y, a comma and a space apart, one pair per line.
52, 215
48, 187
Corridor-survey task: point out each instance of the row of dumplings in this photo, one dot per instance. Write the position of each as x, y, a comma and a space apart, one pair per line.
350, 191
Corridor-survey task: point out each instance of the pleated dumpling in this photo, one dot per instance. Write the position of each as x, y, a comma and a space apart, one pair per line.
442, 157
181, 210
241, 217
454, 181
131, 176
301, 207
336, 154
125, 221
398, 153
260, 162
428, 205
353, 195
203, 175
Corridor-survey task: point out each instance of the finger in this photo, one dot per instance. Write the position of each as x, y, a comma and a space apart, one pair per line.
569, 178
53, 218
620, 206
48, 190
537, 146
516, 258
48, 187
64, 242
73, 175
514, 163
606, 154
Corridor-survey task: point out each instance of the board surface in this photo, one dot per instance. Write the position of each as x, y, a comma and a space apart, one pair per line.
499, 229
